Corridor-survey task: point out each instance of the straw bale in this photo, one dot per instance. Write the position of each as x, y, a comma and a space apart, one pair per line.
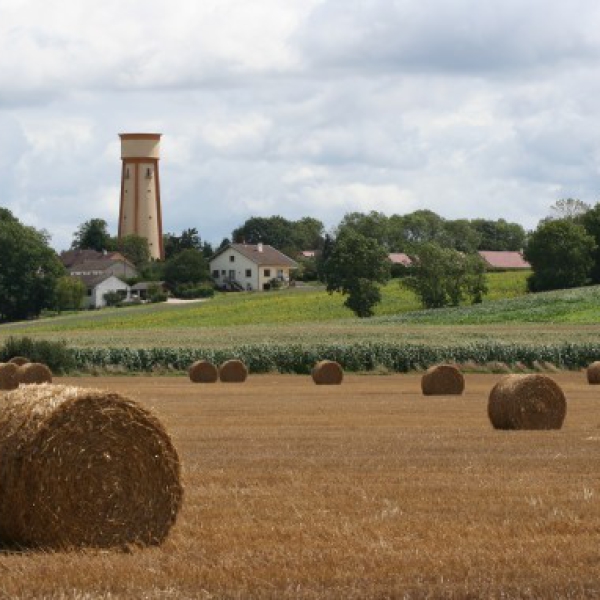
19, 360
83, 467
9, 379
34, 373
532, 401
203, 371
327, 372
593, 373
443, 380
233, 371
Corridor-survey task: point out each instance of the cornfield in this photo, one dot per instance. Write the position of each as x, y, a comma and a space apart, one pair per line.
362, 356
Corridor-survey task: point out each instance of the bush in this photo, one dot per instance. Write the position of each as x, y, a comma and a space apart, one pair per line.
56, 355
112, 299
189, 291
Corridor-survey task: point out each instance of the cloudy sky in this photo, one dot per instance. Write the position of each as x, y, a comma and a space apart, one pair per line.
470, 108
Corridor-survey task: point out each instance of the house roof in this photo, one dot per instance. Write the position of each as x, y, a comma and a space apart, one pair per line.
72, 257
91, 281
145, 285
99, 264
399, 258
268, 256
504, 259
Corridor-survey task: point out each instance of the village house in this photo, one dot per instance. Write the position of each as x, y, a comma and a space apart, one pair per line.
250, 267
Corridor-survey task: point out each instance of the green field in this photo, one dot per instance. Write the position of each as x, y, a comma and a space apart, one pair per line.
310, 315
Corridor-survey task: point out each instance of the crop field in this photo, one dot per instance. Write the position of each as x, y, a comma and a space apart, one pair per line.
364, 490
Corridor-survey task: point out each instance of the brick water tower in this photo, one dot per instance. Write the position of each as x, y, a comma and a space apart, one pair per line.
140, 211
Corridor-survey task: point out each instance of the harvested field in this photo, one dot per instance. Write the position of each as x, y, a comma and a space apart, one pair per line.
358, 491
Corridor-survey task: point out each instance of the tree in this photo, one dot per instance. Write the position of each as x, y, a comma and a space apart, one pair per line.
499, 235
275, 231
446, 277
189, 266
29, 269
188, 240
372, 225
135, 249
356, 264
69, 293
93, 235
591, 222
569, 208
561, 254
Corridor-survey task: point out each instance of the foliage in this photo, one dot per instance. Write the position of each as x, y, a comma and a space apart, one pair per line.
69, 293
499, 235
188, 266
56, 355
569, 208
188, 240
288, 236
446, 277
189, 291
93, 235
29, 269
156, 294
113, 298
135, 249
561, 255
591, 222
354, 267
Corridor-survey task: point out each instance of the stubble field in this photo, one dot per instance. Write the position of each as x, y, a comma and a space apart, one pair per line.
366, 490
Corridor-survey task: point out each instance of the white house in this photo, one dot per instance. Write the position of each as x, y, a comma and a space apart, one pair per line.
250, 267
98, 285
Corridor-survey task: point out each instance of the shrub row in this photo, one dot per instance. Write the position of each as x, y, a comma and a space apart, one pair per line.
356, 357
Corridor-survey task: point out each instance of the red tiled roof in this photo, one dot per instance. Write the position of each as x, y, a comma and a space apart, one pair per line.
399, 258
261, 254
504, 259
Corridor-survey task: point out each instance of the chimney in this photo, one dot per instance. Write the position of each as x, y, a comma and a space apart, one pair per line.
259, 246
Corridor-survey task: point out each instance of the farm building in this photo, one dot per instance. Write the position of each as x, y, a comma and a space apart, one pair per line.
98, 285
250, 267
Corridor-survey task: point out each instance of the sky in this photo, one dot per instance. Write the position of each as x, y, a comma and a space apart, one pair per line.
470, 108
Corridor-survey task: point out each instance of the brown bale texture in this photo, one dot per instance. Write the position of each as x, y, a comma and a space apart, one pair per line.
83, 467
593, 373
233, 371
327, 372
443, 380
527, 402
9, 379
19, 360
34, 373
203, 371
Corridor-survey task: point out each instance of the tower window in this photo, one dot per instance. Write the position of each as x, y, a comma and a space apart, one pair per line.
127, 173
148, 173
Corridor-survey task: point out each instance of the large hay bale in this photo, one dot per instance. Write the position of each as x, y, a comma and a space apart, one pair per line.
82, 467
203, 371
593, 373
233, 371
34, 373
327, 372
9, 379
527, 402
19, 360
443, 380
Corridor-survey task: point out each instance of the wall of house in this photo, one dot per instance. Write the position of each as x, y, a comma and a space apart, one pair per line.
112, 284
266, 273
240, 265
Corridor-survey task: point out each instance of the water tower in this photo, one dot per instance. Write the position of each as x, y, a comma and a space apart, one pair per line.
140, 211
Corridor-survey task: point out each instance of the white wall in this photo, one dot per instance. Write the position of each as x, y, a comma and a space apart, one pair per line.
112, 284
240, 265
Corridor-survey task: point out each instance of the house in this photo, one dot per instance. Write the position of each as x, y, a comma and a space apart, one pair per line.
98, 285
140, 290
504, 260
250, 267
106, 265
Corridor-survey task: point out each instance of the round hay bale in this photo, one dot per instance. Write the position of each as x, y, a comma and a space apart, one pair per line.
443, 380
527, 402
233, 371
34, 373
327, 372
83, 467
19, 360
203, 371
593, 373
9, 379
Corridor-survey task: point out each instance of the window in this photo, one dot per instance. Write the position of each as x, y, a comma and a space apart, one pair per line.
248, 272
267, 272
232, 258
223, 272
216, 273
148, 173
127, 173
89, 291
